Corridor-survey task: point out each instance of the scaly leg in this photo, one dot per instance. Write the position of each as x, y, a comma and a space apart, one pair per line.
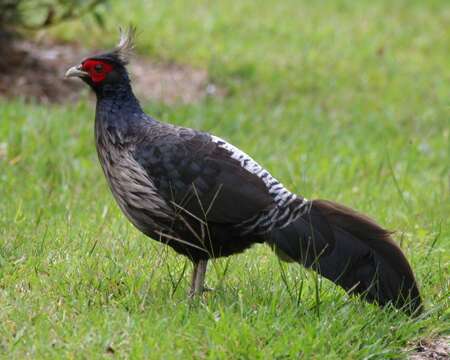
198, 278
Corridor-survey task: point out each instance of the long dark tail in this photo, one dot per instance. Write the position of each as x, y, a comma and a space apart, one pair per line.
351, 250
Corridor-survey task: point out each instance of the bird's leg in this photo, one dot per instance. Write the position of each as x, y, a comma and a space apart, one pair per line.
194, 276
198, 278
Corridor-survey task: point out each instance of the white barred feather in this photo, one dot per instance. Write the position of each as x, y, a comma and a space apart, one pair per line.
280, 194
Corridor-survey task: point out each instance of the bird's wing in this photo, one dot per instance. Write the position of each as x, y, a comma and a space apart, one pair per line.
197, 175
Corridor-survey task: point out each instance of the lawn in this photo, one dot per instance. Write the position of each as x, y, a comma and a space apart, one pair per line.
346, 101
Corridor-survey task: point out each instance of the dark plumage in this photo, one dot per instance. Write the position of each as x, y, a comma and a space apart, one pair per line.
207, 199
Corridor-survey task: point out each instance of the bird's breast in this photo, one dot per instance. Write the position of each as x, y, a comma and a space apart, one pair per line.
132, 187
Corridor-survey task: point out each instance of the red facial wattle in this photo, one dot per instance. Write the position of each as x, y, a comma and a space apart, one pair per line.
97, 69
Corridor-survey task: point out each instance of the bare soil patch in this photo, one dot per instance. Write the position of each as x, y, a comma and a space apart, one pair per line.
35, 70
435, 349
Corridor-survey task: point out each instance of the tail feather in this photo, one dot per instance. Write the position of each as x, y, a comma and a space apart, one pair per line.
351, 250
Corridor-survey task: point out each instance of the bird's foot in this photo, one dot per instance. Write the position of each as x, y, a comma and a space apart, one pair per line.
192, 293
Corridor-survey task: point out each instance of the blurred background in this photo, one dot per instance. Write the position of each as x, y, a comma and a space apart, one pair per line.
342, 100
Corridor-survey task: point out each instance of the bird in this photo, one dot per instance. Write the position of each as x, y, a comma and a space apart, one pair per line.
206, 198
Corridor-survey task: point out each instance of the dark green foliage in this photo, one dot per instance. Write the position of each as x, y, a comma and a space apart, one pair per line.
36, 14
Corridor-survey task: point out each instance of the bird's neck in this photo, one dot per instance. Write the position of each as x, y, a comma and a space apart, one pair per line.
118, 113
117, 94
117, 105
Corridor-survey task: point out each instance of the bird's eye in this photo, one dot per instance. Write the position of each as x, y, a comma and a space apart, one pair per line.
98, 68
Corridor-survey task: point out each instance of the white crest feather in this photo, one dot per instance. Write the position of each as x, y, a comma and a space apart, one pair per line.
124, 49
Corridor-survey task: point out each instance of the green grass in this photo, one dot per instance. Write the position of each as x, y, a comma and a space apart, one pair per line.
345, 101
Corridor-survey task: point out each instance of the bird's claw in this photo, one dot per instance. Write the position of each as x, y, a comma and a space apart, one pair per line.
192, 293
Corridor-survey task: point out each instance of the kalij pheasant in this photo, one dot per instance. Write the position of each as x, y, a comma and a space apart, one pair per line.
206, 199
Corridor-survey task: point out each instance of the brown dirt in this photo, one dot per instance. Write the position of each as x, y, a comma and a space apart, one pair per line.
35, 70
432, 349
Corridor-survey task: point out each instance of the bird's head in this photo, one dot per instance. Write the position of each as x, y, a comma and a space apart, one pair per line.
106, 70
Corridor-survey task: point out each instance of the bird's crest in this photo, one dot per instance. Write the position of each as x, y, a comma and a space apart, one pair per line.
124, 49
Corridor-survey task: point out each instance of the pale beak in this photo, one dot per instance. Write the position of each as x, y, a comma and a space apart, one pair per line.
75, 71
